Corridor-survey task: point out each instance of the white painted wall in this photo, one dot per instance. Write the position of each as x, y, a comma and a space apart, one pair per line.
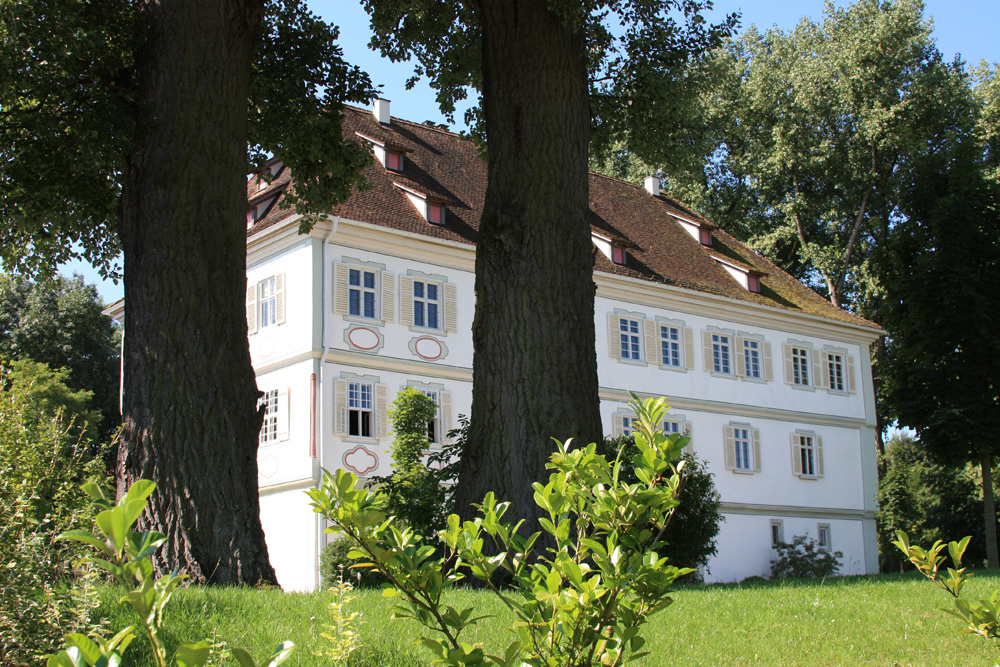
279, 342
291, 531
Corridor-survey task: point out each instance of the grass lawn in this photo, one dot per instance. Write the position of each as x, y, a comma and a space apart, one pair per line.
883, 620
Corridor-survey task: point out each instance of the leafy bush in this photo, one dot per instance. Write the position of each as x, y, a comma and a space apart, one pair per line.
690, 537
41, 467
803, 558
335, 562
583, 601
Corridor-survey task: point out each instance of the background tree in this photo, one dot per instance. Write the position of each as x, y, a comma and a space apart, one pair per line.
544, 70
941, 302
125, 126
58, 322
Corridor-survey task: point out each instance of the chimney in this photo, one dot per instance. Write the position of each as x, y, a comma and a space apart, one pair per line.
653, 185
381, 111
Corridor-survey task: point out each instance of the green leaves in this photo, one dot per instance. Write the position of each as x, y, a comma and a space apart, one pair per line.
583, 601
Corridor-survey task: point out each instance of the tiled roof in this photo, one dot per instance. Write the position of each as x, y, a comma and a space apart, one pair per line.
447, 167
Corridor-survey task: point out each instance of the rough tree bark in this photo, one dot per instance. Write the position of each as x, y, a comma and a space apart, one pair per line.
535, 364
190, 393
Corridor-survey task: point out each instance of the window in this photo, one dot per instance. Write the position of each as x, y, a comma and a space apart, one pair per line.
751, 359
393, 161
807, 455
670, 346
629, 336
705, 237
835, 371
267, 302
777, 533
618, 255
800, 366
360, 409
823, 536
721, 354
435, 214
432, 426
269, 429
753, 284
742, 445
426, 304
361, 293
671, 426
627, 425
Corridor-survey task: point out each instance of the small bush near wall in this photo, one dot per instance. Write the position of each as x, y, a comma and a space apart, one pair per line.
802, 558
334, 560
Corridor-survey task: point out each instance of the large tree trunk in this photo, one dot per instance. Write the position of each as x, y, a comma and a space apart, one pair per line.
535, 366
190, 394
989, 509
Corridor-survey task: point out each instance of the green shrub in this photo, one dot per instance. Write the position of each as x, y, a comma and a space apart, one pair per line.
690, 537
803, 558
334, 562
43, 595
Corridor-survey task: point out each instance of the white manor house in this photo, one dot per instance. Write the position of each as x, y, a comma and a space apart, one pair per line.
772, 382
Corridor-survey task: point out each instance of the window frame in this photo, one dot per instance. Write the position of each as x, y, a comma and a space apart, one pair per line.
362, 291
422, 304
671, 347
777, 533
389, 156
801, 362
753, 348
827, 544
747, 454
267, 302
268, 434
356, 390
836, 366
634, 334
722, 353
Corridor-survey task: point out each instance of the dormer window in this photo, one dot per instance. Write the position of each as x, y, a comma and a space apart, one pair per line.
393, 161
705, 237
618, 255
753, 284
435, 214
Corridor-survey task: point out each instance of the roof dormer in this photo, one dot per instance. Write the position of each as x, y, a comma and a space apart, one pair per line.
699, 231
432, 210
388, 155
748, 277
259, 209
615, 249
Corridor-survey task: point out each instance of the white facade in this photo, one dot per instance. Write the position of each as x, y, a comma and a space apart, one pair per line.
387, 352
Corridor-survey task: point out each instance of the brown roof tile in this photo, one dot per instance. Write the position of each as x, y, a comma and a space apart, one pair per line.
447, 167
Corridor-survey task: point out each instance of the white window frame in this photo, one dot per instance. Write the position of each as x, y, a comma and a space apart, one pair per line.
360, 403
824, 543
801, 361
743, 453
267, 302
671, 345
629, 338
722, 353
777, 532
753, 357
269, 428
423, 304
807, 455
434, 426
836, 364
356, 292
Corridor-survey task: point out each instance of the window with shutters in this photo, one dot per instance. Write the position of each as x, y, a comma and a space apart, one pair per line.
360, 410
434, 425
835, 371
265, 304
752, 359
269, 429
722, 354
823, 537
361, 293
670, 346
777, 533
742, 444
800, 366
628, 334
426, 304
807, 455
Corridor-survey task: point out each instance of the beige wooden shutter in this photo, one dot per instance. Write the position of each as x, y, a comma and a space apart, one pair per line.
252, 308
706, 341
768, 375
849, 362
796, 454
406, 301
444, 425
388, 310
283, 416
819, 455
819, 379
341, 277
786, 352
686, 430
756, 450
741, 360
730, 453
381, 418
688, 349
617, 425
279, 298
450, 308
653, 355
614, 337
340, 418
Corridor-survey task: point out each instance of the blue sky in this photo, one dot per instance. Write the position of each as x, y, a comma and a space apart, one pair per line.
966, 27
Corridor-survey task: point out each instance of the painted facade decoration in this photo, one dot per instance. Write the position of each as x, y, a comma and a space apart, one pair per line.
771, 381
